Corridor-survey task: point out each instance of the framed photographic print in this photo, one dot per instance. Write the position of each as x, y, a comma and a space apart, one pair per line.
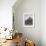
28, 20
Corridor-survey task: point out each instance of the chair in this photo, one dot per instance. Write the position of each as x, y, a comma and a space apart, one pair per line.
29, 43
18, 39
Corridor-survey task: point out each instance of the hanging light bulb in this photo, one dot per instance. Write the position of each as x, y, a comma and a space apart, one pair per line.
26, 38
16, 31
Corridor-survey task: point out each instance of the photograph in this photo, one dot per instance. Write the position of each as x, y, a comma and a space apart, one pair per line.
28, 20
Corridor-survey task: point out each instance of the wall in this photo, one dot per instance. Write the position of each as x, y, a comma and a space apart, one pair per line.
6, 13
28, 6
43, 22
